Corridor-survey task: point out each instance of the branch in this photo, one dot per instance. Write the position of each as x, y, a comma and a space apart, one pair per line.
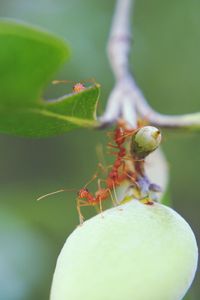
120, 38
126, 99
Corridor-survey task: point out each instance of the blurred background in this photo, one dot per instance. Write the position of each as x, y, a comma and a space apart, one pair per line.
166, 63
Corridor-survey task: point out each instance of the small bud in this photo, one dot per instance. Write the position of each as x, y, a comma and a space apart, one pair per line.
146, 140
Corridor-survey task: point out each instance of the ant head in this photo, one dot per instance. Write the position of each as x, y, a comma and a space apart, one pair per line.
83, 193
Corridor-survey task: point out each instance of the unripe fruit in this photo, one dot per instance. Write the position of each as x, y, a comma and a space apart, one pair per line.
145, 141
137, 252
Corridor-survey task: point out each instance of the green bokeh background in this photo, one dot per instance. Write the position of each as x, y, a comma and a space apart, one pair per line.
166, 63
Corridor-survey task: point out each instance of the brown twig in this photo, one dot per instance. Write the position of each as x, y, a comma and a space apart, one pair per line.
126, 99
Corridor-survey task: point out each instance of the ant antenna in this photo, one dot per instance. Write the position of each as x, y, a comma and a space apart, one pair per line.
91, 80
101, 157
56, 192
92, 179
63, 81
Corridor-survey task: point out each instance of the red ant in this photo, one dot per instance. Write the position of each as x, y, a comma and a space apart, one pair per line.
115, 177
119, 172
77, 87
86, 198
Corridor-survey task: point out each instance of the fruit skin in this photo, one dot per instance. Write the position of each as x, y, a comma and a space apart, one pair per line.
145, 141
137, 252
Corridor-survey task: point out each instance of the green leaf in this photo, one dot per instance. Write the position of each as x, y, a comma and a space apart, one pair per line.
29, 58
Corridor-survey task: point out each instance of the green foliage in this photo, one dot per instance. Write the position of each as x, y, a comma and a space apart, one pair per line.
28, 58
166, 64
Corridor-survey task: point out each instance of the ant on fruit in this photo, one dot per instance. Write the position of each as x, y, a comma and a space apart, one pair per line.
126, 167
77, 86
86, 198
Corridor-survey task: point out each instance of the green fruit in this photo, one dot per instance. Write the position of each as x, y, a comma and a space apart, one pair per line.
146, 140
137, 252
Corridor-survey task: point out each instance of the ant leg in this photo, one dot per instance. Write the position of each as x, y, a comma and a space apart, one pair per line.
91, 80
116, 199
101, 208
113, 153
123, 165
100, 180
81, 203
78, 206
109, 145
112, 198
92, 179
115, 195
102, 167
99, 183
132, 178
100, 201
